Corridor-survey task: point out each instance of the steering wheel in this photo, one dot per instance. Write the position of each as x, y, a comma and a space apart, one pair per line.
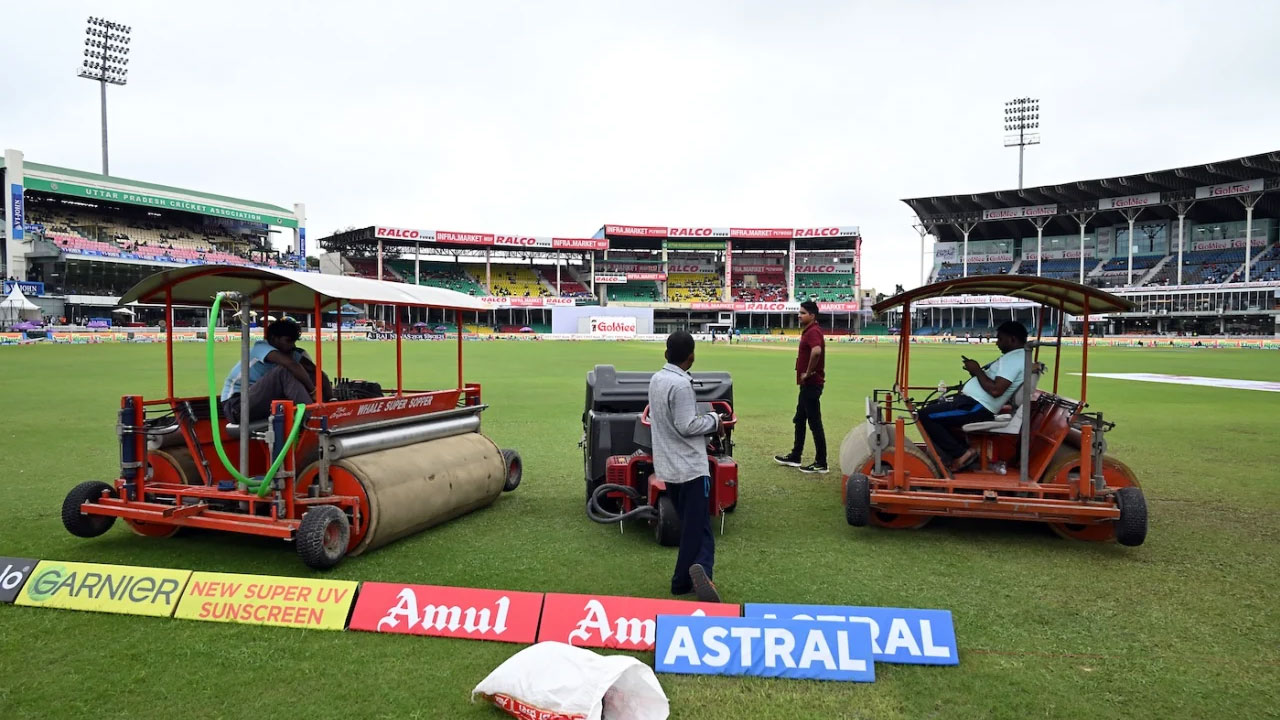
716, 405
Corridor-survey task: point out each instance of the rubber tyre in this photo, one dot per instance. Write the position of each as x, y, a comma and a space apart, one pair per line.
917, 459
1131, 527
152, 530
322, 538
76, 522
857, 500
515, 470
667, 528
1117, 475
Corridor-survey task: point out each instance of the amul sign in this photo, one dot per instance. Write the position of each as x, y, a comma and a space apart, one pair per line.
613, 327
470, 613
621, 623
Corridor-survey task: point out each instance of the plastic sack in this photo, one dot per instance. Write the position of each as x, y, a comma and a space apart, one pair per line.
555, 681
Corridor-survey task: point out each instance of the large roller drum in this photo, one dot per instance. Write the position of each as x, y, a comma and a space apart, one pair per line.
173, 465
411, 488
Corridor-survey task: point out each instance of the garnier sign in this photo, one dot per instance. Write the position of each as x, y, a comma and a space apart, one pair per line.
167, 203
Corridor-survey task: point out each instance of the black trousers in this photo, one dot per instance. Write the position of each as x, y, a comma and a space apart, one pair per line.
940, 417
809, 410
697, 542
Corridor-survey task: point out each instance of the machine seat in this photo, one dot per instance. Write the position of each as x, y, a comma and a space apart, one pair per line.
1008, 423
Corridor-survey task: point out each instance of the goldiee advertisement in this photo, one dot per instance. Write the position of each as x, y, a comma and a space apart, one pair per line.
613, 326
121, 589
133, 198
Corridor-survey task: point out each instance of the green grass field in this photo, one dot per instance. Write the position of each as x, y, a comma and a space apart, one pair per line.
1184, 626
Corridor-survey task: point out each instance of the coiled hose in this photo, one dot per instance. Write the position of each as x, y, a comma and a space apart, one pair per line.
298, 414
607, 517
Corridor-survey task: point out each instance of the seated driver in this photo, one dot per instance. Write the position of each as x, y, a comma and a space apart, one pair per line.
278, 370
988, 389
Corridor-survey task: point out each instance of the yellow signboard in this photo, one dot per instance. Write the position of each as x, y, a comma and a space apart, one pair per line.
262, 600
104, 588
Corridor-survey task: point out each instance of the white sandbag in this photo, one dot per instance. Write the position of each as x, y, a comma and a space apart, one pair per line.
555, 681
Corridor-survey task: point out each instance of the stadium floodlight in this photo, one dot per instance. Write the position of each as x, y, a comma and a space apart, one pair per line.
105, 61
1020, 116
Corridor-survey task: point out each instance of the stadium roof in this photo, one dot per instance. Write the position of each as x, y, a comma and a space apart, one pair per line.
289, 290
38, 177
1064, 294
1214, 188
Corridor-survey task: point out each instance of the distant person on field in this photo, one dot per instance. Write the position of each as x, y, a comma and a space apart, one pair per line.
680, 460
811, 377
988, 389
278, 370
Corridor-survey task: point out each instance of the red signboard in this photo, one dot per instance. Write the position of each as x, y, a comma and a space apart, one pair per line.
390, 407
459, 238
621, 623
646, 276
471, 613
761, 233
635, 230
580, 243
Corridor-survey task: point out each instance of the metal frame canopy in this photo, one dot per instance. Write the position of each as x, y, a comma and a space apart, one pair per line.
1064, 295
288, 289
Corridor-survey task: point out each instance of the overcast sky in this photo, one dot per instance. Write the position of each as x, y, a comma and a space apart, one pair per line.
553, 118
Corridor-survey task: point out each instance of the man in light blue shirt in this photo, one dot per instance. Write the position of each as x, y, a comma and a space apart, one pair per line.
278, 370
679, 437
981, 398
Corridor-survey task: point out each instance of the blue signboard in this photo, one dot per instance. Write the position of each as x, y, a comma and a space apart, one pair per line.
898, 635
28, 288
302, 244
17, 214
813, 650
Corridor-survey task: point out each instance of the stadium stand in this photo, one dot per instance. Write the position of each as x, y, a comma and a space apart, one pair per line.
511, 280
442, 275
947, 271
368, 268
568, 286
1267, 267
770, 287
1063, 269
634, 291
825, 288
693, 287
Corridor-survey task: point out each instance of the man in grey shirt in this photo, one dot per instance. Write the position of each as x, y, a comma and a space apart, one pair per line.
680, 460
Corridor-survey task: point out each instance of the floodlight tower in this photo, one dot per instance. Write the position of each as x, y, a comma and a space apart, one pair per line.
106, 46
1021, 115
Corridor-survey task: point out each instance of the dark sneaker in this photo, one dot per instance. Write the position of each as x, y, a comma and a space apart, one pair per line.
788, 460
702, 585
814, 468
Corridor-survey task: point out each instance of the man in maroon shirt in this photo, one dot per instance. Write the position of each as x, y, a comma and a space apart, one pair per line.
810, 376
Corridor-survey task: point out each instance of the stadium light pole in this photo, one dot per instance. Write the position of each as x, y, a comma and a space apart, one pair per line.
1021, 115
106, 50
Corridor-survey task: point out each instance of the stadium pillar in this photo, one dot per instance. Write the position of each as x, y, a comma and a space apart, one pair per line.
417, 274
728, 270
488, 273
1248, 201
791, 271
15, 217
1039, 223
1182, 209
379, 259
1083, 219
924, 232
559, 260
1131, 215
593, 273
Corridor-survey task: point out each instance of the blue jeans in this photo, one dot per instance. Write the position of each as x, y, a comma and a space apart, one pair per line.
697, 543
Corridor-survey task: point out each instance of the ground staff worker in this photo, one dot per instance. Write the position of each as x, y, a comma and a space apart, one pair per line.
680, 460
811, 376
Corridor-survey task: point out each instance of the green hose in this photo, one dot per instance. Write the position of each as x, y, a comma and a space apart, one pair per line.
298, 415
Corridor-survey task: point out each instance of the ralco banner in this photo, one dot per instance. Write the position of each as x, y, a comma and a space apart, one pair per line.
386, 232
734, 233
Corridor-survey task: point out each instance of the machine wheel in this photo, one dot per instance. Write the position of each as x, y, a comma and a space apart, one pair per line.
76, 522
857, 500
667, 528
1131, 528
515, 470
919, 464
1116, 474
322, 538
